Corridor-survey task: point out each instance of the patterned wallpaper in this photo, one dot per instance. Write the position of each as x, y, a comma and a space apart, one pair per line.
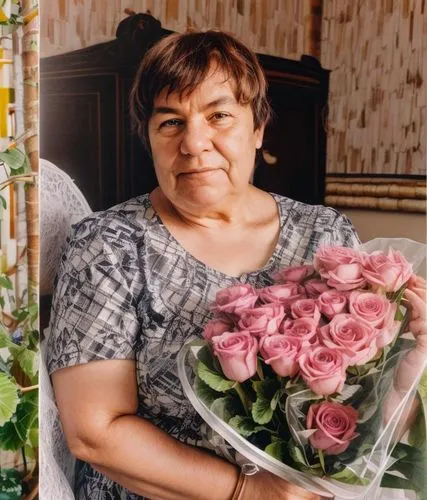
376, 49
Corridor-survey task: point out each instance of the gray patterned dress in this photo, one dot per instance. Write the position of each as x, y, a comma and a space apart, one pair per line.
126, 289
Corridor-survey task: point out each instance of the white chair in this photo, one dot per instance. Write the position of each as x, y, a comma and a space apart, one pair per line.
61, 205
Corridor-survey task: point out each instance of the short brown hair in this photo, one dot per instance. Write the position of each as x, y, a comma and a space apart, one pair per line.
180, 62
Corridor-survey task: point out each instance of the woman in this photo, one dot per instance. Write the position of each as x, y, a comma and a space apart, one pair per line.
137, 280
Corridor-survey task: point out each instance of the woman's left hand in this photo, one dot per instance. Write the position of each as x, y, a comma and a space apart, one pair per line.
415, 361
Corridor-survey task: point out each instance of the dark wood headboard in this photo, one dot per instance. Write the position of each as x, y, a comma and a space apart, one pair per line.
85, 128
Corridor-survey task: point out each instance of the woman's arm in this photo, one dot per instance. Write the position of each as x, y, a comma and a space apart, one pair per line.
97, 403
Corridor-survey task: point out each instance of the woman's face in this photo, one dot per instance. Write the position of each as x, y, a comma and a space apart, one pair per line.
204, 144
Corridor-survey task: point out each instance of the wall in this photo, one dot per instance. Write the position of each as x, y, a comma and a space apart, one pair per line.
377, 51
278, 27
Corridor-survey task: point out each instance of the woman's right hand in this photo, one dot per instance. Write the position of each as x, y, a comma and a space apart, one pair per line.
266, 486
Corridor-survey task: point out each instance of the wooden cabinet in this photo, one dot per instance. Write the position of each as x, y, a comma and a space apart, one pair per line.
85, 126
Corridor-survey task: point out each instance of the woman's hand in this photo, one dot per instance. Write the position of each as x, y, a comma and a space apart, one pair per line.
416, 360
266, 486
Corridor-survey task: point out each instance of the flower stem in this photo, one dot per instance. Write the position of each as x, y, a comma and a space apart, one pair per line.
259, 370
242, 395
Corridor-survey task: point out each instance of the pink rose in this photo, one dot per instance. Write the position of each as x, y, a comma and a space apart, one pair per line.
340, 266
389, 271
357, 338
315, 287
263, 320
304, 329
282, 294
281, 353
294, 273
370, 307
335, 426
323, 369
305, 308
237, 354
235, 299
332, 302
216, 327
387, 331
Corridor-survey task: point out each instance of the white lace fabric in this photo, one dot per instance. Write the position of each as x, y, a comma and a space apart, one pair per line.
61, 205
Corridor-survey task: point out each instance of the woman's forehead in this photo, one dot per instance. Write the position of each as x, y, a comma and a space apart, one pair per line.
217, 87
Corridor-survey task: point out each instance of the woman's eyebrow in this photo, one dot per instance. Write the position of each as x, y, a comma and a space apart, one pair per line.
220, 101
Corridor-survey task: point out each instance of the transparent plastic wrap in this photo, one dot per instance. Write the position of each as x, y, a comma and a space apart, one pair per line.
358, 470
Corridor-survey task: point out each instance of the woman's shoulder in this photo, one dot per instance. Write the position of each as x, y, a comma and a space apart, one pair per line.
125, 221
305, 213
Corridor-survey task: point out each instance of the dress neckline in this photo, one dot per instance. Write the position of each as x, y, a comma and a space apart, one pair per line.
211, 270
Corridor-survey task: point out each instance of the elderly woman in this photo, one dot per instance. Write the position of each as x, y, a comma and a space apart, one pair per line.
137, 280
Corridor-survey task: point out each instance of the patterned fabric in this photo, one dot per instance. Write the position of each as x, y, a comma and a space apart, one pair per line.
126, 289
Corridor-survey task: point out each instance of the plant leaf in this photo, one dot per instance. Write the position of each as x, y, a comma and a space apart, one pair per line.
246, 426
261, 410
10, 484
225, 408
14, 434
204, 392
14, 158
5, 282
349, 477
213, 379
296, 454
276, 449
8, 398
5, 340
28, 360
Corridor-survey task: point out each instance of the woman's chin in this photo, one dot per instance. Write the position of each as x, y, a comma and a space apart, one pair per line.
202, 196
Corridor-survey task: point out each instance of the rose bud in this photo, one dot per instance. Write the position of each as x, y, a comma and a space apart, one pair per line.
263, 320
304, 329
294, 273
357, 338
216, 327
370, 307
235, 299
340, 266
305, 308
323, 369
237, 354
282, 294
388, 271
332, 302
335, 426
315, 287
281, 352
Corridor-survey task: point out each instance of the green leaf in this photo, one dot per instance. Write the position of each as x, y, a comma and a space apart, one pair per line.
204, 392
225, 408
246, 426
33, 310
3, 202
10, 484
321, 460
296, 454
8, 398
13, 158
262, 411
28, 360
4, 366
276, 399
418, 432
349, 477
276, 449
213, 379
5, 340
14, 434
5, 282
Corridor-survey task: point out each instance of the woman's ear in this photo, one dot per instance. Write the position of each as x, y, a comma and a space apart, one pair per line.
259, 136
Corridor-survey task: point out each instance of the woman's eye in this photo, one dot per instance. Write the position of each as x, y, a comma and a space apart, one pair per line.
220, 116
173, 122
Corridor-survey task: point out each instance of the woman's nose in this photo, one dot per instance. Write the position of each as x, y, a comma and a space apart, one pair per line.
196, 139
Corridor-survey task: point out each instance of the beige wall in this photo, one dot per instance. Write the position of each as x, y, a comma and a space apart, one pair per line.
379, 224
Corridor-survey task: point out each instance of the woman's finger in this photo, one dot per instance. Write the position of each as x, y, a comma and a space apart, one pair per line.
417, 304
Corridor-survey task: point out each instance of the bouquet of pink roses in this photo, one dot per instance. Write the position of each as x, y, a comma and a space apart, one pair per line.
297, 376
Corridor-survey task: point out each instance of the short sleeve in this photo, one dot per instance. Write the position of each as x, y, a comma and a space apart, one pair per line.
330, 228
93, 311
